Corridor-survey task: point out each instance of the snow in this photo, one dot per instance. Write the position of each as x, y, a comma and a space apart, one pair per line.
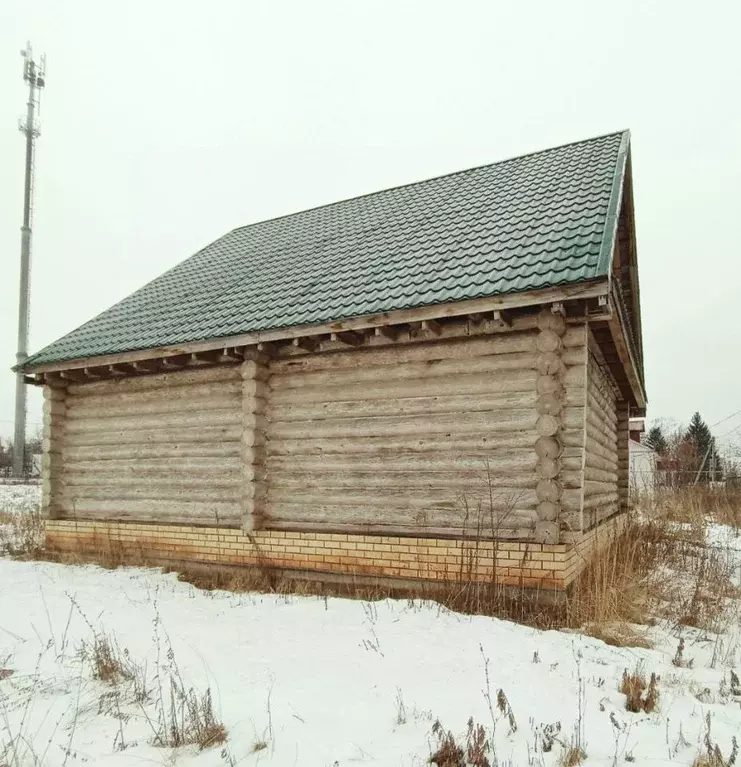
19, 499
319, 680
19, 505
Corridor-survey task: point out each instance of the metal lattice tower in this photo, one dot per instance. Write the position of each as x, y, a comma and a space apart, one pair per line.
35, 75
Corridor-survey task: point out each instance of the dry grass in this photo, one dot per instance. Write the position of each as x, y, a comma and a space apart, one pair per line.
473, 753
700, 504
659, 567
713, 756
22, 533
114, 665
572, 756
640, 695
189, 720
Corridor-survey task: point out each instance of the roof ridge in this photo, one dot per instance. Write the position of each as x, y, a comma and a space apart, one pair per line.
512, 158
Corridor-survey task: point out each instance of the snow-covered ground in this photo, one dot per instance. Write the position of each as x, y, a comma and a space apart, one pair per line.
330, 682
20, 523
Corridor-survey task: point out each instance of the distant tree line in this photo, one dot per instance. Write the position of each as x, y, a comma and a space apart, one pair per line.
33, 447
689, 455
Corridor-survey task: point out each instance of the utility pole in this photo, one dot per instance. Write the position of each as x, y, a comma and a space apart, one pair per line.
34, 74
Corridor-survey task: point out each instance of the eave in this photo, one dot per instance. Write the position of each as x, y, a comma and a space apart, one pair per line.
587, 300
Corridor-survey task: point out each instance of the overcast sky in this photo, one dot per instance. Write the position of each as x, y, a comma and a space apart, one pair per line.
165, 124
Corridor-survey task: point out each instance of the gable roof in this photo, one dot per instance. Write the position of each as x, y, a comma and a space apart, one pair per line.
536, 221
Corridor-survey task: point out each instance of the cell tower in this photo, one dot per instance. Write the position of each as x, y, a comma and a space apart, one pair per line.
35, 75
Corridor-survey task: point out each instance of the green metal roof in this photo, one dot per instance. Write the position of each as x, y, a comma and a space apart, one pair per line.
536, 221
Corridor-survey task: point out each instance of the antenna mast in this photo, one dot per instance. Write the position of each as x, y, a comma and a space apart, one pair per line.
35, 75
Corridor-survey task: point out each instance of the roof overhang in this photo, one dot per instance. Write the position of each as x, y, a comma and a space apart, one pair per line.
593, 297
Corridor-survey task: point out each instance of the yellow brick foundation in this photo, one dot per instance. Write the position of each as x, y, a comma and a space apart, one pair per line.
510, 563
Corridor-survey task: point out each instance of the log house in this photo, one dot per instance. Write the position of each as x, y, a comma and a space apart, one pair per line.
372, 388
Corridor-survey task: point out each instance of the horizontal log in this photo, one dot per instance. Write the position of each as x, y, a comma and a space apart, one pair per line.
84, 401
604, 415
605, 409
572, 417
598, 436
150, 491
133, 468
401, 498
596, 487
401, 406
89, 471
466, 349
54, 393
201, 435
404, 370
600, 372
604, 499
461, 423
54, 408
158, 381
571, 521
52, 462
518, 462
183, 419
599, 458
418, 518
171, 450
571, 479
233, 523
598, 450
400, 484
163, 404
456, 385
573, 452
574, 357
571, 499
606, 400
597, 425
600, 475
482, 444
574, 380
195, 512
571, 463
572, 437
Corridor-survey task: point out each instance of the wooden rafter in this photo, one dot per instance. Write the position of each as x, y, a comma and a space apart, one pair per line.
348, 337
307, 343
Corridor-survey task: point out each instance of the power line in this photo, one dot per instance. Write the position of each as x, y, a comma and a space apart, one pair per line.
723, 420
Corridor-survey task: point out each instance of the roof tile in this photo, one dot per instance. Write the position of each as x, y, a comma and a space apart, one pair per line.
527, 223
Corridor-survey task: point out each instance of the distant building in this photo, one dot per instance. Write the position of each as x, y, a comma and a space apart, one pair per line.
637, 428
643, 466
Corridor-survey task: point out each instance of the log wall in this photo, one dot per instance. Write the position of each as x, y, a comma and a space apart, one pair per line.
601, 445
478, 435
434, 438
159, 448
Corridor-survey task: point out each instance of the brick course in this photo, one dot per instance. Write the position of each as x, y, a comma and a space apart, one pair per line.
550, 566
